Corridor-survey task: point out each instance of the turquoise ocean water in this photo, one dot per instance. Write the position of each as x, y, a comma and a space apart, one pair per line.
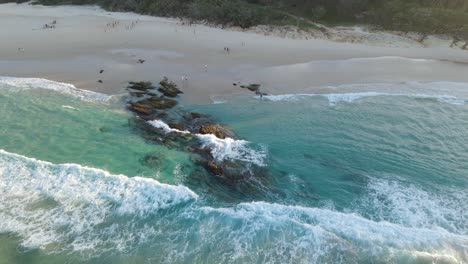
362, 178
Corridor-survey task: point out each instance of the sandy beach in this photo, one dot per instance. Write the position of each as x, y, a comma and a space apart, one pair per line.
88, 39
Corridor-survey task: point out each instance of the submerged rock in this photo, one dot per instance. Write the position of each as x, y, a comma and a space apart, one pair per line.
216, 130
195, 115
169, 88
151, 107
104, 129
214, 168
151, 161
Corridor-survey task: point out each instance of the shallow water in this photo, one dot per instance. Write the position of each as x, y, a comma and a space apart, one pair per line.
372, 179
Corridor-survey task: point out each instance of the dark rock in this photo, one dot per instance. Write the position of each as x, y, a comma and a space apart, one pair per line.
216, 130
158, 103
137, 94
180, 127
141, 61
99, 81
140, 86
104, 129
252, 87
169, 88
101, 71
195, 115
162, 115
190, 149
214, 168
142, 109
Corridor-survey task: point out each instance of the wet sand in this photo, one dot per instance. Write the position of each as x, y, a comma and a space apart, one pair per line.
82, 44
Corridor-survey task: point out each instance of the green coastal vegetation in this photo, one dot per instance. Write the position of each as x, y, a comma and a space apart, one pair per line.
422, 16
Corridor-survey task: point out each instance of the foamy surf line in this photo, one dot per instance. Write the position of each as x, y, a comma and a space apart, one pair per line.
430, 90
334, 99
221, 149
390, 198
19, 84
68, 207
327, 234
73, 205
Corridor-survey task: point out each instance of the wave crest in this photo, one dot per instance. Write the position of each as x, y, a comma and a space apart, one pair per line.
13, 83
76, 206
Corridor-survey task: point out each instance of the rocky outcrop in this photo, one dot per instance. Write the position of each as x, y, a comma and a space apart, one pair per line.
156, 102
253, 87
140, 86
178, 126
214, 168
195, 115
216, 130
169, 88
150, 103
142, 109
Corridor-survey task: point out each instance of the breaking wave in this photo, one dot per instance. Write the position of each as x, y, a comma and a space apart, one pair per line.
76, 206
334, 99
13, 83
222, 149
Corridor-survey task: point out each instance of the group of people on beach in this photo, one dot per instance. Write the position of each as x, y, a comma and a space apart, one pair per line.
51, 25
115, 24
132, 25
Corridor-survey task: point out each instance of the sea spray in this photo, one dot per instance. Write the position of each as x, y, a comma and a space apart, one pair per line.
222, 149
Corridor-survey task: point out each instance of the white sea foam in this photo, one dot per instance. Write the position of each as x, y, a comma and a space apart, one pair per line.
70, 107
222, 149
14, 83
219, 101
231, 149
413, 206
165, 127
334, 99
390, 58
71, 207
312, 235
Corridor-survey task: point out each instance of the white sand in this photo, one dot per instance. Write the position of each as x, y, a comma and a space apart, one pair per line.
81, 45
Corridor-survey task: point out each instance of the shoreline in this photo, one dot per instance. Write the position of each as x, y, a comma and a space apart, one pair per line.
83, 45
